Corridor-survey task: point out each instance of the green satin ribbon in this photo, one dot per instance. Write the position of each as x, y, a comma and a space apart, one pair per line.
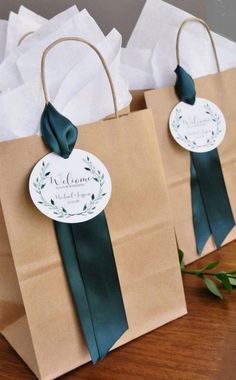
184, 86
87, 256
201, 225
212, 213
58, 132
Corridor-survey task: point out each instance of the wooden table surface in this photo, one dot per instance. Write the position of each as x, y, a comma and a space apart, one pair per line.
199, 346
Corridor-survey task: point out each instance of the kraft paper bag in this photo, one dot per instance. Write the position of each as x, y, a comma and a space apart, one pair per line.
220, 89
43, 327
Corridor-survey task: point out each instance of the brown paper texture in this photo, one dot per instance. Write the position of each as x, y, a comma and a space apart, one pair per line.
138, 102
220, 89
141, 231
11, 304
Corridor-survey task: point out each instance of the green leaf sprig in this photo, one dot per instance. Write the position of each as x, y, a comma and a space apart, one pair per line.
212, 280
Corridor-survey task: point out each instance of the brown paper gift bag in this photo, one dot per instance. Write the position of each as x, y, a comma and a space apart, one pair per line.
43, 327
220, 89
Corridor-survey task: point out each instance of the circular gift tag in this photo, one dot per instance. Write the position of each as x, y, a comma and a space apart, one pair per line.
70, 190
199, 128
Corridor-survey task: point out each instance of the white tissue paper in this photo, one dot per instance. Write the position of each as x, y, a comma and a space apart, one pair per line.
3, 36
50, 26
19, 25
64, 56
88, 97
25, 12
20, 111
9, 73
76, 81
157, 29
136, 67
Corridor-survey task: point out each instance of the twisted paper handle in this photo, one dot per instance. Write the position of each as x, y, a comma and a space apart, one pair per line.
77, 39
23, 37
206, 26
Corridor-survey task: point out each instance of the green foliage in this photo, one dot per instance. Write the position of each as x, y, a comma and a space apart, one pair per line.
211, 286
226, 280
181, 260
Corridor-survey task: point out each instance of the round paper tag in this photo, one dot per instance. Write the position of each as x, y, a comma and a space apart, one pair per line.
70, 190
199, 128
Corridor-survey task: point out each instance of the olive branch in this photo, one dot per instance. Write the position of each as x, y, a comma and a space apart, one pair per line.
176, 123
211, 279
60, 211
216, 119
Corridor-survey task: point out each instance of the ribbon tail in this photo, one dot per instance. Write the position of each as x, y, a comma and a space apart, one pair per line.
214, 194
75, 281
201, 225
89, 262
101, 282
